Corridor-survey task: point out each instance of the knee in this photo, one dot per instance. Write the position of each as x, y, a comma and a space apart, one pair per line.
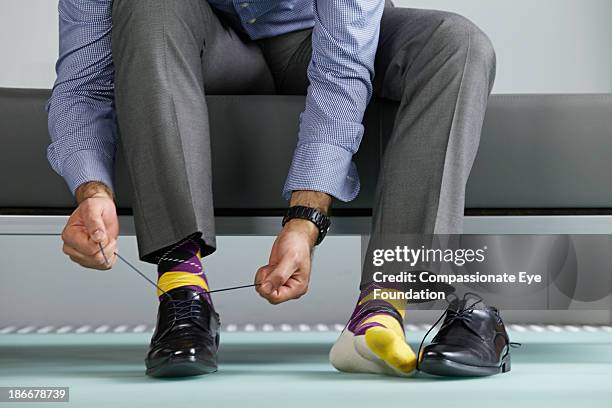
458, 33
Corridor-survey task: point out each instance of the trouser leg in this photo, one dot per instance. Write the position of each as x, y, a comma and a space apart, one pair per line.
167, 55
441, 68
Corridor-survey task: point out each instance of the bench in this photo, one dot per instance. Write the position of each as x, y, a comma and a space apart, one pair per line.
540, 155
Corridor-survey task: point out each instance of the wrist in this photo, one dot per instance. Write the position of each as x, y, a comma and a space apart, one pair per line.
312, 199
92, 189
305, 227
313, 221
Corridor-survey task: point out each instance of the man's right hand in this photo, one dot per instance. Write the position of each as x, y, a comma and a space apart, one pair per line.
94, 222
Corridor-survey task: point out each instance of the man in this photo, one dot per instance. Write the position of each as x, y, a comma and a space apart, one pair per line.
147, 65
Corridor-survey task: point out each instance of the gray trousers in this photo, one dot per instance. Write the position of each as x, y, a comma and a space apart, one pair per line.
169, 53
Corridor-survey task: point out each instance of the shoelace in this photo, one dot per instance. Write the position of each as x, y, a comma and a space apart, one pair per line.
174, 301
463, 315
185, 309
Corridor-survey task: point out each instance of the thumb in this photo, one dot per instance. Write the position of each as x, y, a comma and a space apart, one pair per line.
94, 224
279, 275
261, 280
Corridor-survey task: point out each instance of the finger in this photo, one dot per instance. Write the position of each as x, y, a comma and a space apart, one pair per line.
87, 262
77, 237
96, 261
108, 252
261, 275
293, 289
94, 224
281, 273
113, 255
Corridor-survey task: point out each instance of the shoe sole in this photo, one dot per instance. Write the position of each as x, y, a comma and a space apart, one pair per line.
448, 368
181, 368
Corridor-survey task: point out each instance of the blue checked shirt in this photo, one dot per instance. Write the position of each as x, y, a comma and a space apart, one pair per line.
82, 121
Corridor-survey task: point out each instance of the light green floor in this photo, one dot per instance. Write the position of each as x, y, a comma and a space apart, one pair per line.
291, 370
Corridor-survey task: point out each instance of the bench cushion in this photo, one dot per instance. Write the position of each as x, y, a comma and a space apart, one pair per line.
537, 151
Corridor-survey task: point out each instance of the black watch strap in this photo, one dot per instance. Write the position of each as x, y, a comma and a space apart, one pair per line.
319, 219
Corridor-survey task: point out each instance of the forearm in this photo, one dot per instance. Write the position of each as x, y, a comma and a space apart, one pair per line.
343, 51
82, 124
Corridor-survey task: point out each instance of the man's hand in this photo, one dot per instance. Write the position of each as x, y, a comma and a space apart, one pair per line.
287, 274
94, 222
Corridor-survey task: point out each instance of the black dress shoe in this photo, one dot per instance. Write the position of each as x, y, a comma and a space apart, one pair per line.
471, 342
186, 338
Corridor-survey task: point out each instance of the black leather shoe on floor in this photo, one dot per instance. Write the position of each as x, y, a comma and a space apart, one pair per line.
471, 342
186, 339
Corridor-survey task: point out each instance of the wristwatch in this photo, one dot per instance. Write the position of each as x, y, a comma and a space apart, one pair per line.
319, 219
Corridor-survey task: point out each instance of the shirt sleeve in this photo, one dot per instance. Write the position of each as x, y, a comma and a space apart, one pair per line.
344, 43
82, 123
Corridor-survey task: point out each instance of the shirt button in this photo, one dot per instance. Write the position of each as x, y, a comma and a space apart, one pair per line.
244, 5
251, 21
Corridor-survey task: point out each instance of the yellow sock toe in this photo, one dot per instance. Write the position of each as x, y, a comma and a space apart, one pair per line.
377, 343
388, 343
391, 348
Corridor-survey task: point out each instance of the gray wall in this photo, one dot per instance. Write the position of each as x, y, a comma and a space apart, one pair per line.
543, 46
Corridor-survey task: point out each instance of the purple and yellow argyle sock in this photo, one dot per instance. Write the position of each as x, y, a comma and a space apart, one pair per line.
370, 312
180, 266
374, 340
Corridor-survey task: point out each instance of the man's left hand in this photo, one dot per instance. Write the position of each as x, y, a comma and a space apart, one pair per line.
287, 274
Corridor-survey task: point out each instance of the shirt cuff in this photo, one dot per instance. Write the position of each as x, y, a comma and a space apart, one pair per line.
88, 165
323, 167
